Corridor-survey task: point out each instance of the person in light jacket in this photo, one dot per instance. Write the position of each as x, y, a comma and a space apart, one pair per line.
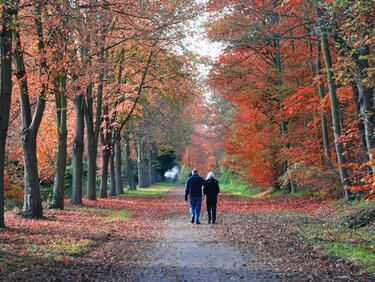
210, 191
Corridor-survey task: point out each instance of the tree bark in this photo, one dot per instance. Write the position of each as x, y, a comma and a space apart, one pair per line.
151, 166
104, 180
91, 146
361, 125
142, 165
335, 106
32, 202
365, 96
105, 137
279, 84
128, 164
118, 174
78, 148
113, 174
62, 134
323, 118
5, 95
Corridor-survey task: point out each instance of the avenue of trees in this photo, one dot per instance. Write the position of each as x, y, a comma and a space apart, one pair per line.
99, 89
95, 85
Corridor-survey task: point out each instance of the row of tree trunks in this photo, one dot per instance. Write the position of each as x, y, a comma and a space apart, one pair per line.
146, 164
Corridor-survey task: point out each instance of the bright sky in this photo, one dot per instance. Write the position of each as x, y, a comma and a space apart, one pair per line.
198, 43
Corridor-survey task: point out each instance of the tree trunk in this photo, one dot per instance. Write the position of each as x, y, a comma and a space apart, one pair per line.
335, 106
361, 125
78, 148
323, 118
118, 174
151, 166
279, 83
365, 96
62, 134
5, 95
113, 174
128, 164
32, 201
91, 146
93, 129
105, 138
142, 165
104, 180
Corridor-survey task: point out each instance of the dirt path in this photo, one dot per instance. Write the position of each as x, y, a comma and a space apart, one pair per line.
190, 252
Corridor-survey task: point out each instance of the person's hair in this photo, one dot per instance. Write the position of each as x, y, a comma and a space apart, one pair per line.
195, 171
210, 175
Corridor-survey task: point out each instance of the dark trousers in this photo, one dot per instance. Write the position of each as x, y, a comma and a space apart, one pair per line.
211, 212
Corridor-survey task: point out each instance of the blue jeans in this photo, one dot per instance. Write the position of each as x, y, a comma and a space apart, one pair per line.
195, 207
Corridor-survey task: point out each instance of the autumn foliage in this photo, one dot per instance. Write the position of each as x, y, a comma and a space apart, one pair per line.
284, 131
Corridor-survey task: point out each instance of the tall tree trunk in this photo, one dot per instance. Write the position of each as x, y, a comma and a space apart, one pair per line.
105, 138
5, 94
146, 163
78, 148
151, 166
128, 164
93, 129
113, 174
142, 165
365, 96
323, 118
118, 174
335, 106
104, 180
62, 134
279, 83
91, 145
32, 201
361, 125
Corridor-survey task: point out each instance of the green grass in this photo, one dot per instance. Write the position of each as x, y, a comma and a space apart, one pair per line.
361, 254
337, 240
158, 188
238, 189
120, 214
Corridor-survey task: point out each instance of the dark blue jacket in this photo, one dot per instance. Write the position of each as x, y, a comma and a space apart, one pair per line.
193, 186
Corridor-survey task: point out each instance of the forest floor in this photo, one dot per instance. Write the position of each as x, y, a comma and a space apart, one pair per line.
150, 238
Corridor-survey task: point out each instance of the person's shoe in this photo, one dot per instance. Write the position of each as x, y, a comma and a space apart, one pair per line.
197, 222
213, 222
209, 222
192, 218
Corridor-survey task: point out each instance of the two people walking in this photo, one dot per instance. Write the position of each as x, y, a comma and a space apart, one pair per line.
193, 190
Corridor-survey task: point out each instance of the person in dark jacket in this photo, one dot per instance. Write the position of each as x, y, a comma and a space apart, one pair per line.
193, 189
210, 191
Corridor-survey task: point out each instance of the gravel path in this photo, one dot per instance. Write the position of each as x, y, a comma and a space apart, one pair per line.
190, 252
